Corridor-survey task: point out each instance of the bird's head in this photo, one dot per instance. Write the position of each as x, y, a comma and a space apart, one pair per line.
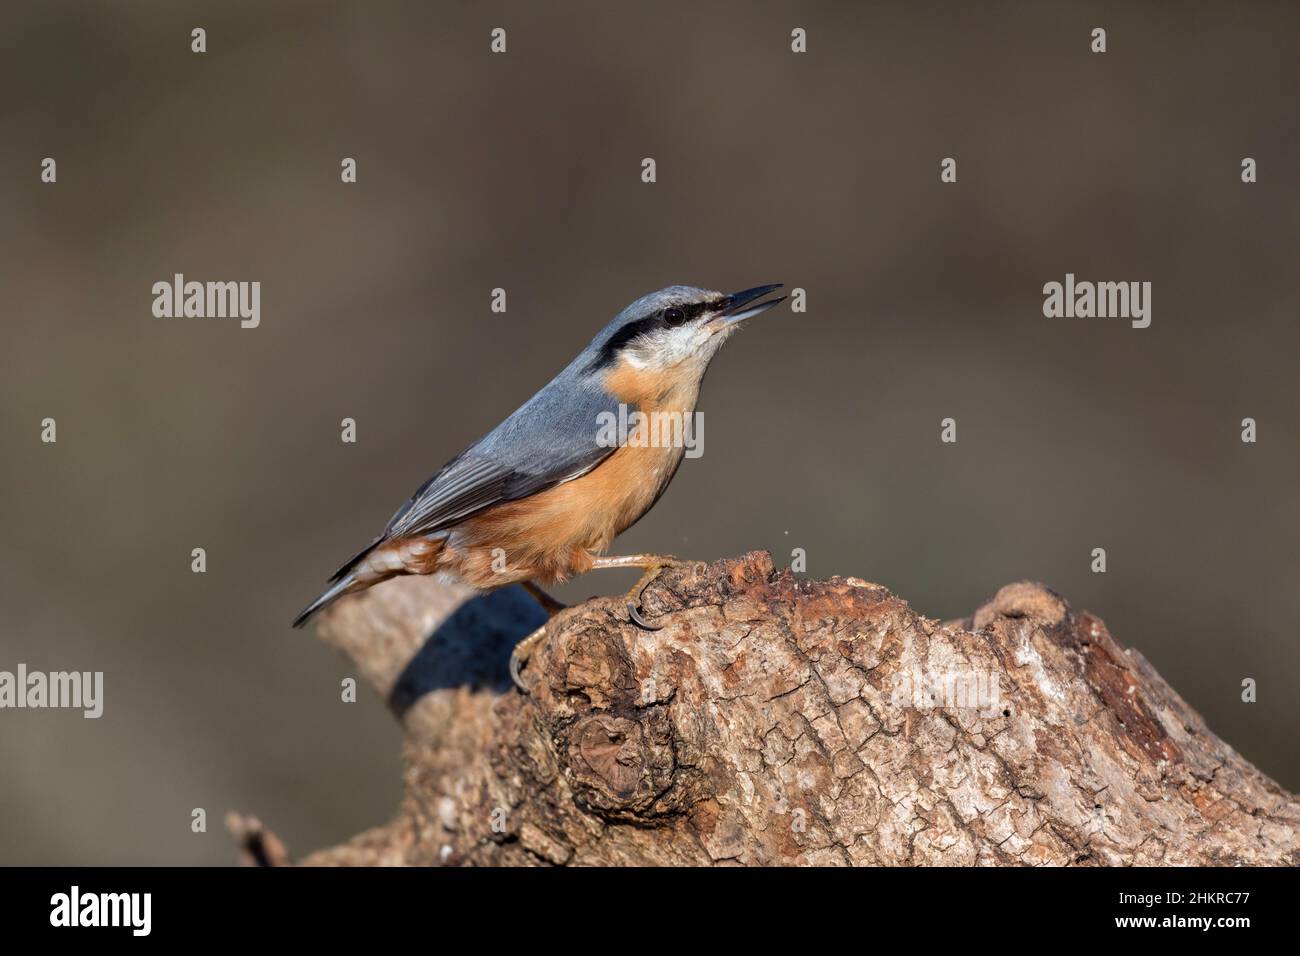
676, 330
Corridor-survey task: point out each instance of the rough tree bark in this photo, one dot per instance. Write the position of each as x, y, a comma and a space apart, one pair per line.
774, 720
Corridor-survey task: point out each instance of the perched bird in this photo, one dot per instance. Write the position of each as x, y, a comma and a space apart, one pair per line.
543, 495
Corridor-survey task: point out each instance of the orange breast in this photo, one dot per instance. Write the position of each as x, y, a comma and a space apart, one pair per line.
551, 535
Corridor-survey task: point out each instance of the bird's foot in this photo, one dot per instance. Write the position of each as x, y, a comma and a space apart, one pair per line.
520, 655
652, 571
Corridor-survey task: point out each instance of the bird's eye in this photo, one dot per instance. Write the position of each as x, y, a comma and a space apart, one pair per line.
674, 316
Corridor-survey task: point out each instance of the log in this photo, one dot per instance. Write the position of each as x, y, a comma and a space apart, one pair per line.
774, 720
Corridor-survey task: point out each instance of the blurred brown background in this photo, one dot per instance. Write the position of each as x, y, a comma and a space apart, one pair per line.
522, 171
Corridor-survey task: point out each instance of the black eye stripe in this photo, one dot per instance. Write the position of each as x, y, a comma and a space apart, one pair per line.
638, 327
622, 336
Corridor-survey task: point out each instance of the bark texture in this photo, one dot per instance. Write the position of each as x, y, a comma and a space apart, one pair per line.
775, 720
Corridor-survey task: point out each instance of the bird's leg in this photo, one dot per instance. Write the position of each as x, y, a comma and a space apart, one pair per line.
652, 561
524, 649
549, 604
653, 564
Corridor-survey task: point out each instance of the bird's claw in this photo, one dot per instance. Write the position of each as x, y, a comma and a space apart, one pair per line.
516, 665
634, 613
520, 656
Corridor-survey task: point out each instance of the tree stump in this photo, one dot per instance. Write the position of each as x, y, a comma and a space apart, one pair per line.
775, 720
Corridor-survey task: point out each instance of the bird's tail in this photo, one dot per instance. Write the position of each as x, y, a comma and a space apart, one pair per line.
332, 594
379, 561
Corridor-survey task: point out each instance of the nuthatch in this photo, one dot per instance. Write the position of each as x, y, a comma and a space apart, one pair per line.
541, 497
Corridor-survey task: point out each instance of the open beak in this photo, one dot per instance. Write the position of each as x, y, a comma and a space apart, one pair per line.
736, 307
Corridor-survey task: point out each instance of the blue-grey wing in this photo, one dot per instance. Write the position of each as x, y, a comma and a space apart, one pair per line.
553, 438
